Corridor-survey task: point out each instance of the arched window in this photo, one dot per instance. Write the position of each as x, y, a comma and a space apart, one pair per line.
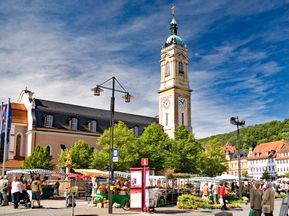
18, 145
168, 69
48, 121
49, 149
73, 123
181, 67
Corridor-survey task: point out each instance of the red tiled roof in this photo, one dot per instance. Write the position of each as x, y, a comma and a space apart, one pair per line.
284, 149
263, 150
19, 113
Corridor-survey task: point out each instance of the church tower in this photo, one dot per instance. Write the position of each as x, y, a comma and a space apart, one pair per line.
175, 92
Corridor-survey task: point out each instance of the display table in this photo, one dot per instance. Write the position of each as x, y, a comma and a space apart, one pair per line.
116, 198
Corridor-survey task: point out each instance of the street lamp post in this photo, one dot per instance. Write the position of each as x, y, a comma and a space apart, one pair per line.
127, 97
239, 123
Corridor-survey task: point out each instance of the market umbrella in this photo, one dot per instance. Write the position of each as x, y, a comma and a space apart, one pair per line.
75, 175
227, 177
92, 172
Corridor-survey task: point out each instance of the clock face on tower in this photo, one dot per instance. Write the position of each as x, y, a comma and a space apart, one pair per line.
183, 102
166, 103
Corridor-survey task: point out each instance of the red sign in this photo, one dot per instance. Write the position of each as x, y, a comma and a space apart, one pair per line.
144, 161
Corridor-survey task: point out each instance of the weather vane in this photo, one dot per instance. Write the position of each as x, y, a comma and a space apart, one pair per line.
173, 10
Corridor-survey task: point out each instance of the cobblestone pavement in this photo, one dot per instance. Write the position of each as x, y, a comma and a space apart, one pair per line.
57, 208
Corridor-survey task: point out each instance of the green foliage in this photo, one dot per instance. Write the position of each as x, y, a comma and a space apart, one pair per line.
80, 153
124, 141
62, 159
254, 135
266, 175
40, 159
154, 144
184, 154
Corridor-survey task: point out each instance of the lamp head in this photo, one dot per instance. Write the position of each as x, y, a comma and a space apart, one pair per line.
233, 120
96, 90
127, 97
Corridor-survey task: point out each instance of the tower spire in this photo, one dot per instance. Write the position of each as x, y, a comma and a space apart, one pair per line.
174, 28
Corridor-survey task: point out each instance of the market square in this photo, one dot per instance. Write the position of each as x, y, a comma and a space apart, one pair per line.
170, 108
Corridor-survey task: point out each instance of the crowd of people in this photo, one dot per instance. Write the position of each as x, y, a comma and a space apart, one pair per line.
17, 189
260, 194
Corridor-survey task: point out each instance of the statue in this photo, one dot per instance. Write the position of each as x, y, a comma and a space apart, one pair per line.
68, 161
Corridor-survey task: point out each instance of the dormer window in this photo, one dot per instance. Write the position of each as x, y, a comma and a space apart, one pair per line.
136, 131
48, 121
168, 69
181, 68
92, 126
73, 123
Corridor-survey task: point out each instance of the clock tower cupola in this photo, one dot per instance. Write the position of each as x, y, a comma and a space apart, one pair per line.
175, 92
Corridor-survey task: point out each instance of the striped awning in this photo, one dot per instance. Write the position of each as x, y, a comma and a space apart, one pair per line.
32, 171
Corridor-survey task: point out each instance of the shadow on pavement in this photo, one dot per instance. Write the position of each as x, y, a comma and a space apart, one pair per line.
170, 211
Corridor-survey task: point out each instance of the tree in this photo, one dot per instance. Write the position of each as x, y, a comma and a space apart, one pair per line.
80, 153
212, 159
124, 141
266, 175
154, 144
185, 152
40, 158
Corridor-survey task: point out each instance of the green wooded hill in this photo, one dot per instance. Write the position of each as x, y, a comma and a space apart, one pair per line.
252, 135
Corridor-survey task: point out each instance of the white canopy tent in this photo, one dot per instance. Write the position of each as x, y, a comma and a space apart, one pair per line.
31, 171
227, 177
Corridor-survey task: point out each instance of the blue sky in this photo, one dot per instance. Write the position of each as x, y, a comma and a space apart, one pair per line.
239, 55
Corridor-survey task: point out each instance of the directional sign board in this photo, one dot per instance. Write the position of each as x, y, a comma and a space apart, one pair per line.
115, 155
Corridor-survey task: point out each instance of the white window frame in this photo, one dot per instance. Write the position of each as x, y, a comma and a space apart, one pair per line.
48, 121
74, 123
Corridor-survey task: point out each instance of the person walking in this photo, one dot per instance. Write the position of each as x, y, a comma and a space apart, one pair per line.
36, 192
206, 191
16, 191
215, 192
256, 198
223, 195
4, 185
268, 200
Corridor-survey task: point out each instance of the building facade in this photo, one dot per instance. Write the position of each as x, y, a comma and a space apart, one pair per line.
231, 162
57, 126
268, 157
282, 161
175, 92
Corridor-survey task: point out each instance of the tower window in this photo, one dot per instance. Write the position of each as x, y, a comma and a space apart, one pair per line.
183, 118
181, 68
73, 123
167, 119
168, 69
48, 121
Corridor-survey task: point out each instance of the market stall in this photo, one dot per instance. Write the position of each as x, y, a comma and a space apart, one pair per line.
99, 186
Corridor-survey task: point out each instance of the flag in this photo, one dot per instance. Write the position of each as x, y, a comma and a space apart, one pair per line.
3, 115
9, 121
